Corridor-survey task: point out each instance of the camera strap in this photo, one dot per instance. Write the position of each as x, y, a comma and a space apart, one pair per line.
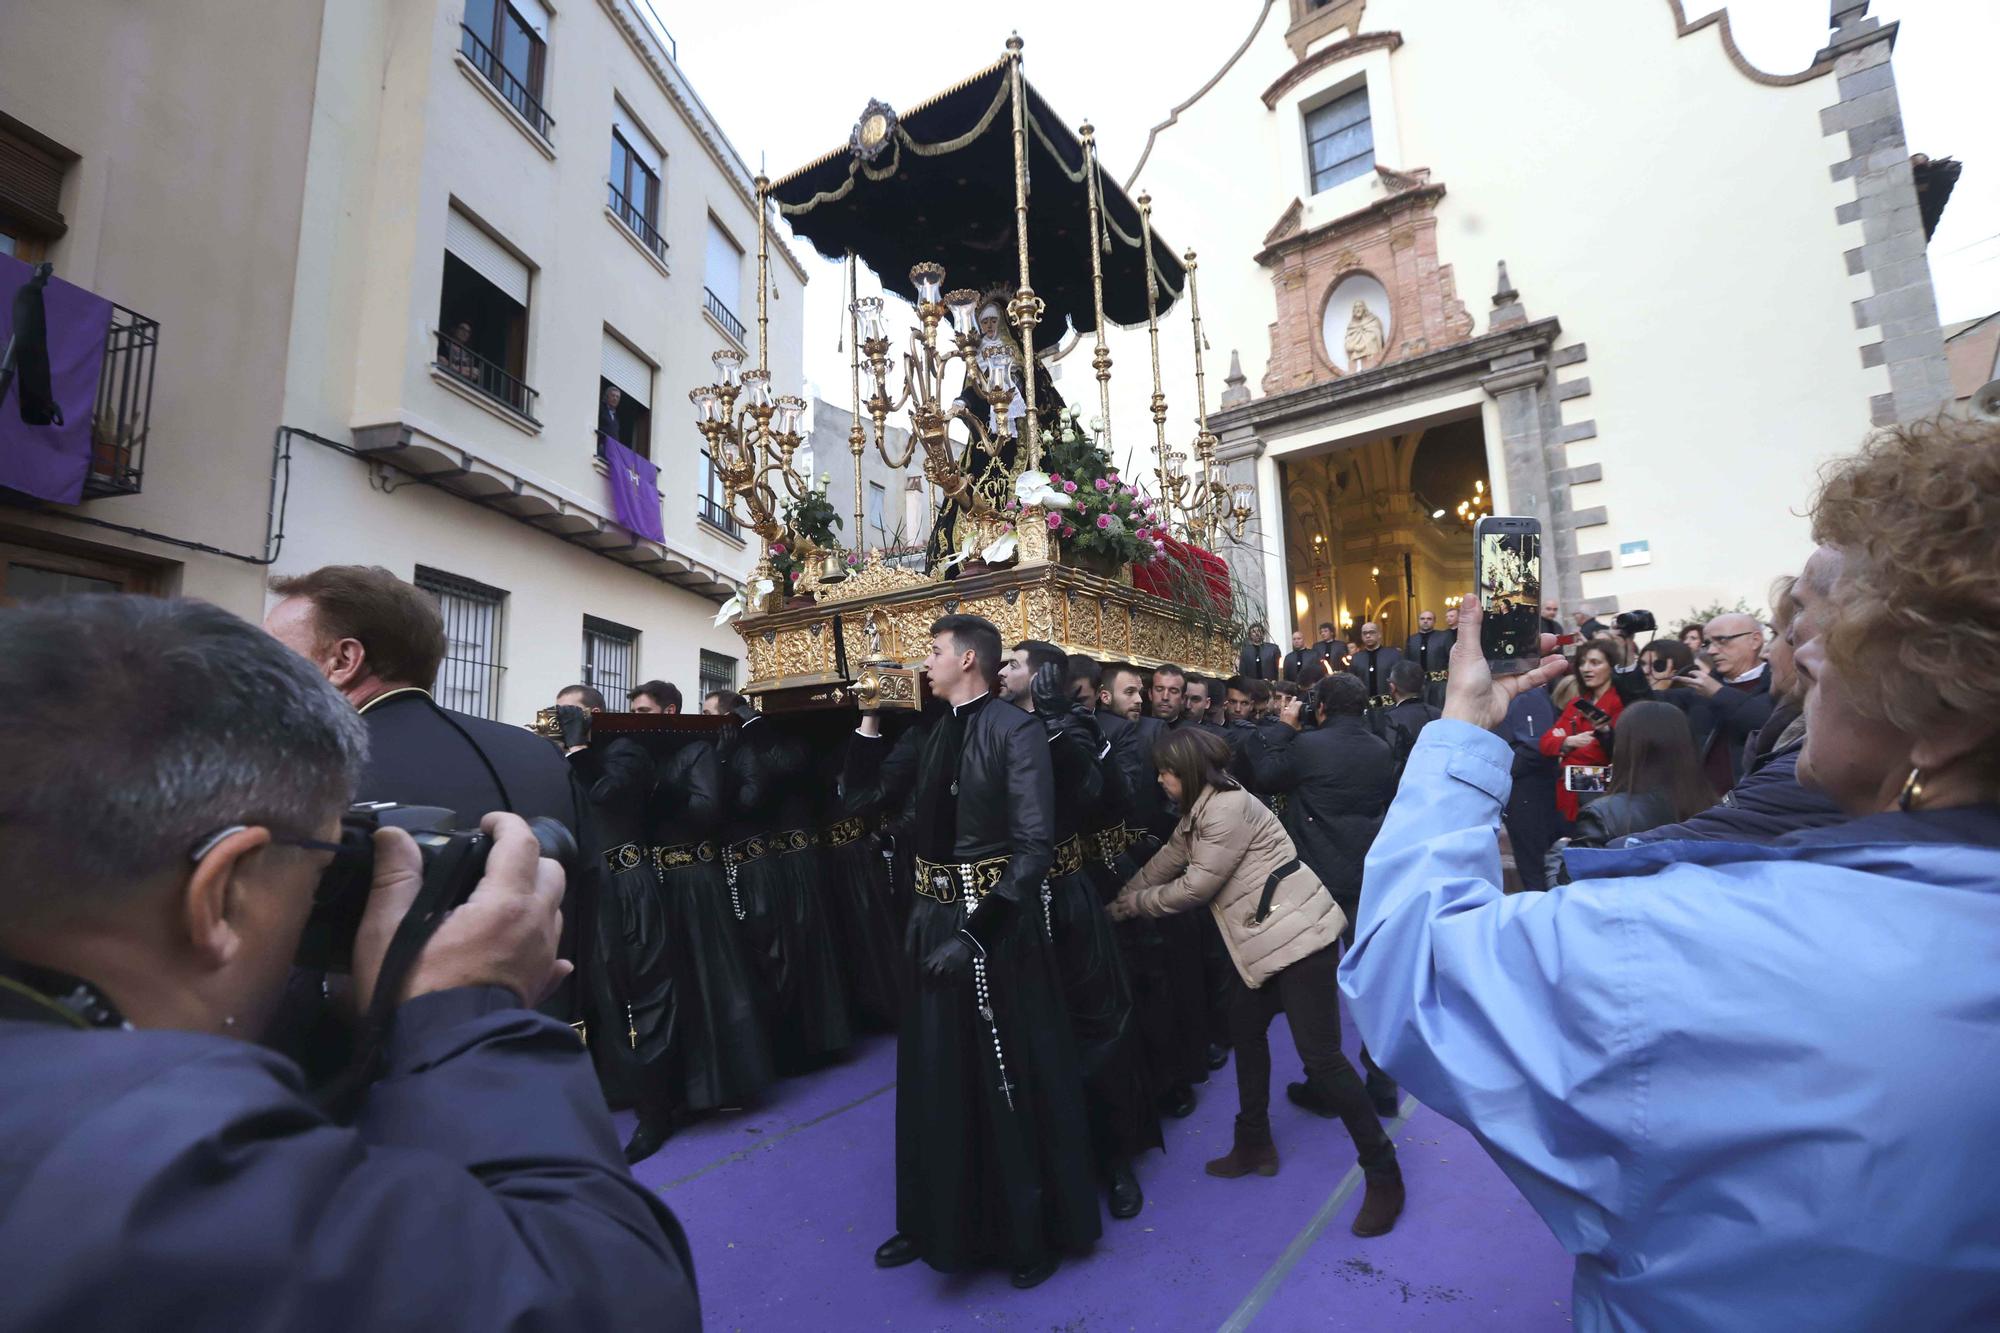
30, 994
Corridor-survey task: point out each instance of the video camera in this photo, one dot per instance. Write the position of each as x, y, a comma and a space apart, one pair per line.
454, 861
1631, 624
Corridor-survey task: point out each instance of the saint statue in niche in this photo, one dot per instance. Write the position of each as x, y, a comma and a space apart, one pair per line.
1365, 341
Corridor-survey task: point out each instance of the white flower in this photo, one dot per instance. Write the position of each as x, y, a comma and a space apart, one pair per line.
1001, 550
730, 609
764, 587
1033, 488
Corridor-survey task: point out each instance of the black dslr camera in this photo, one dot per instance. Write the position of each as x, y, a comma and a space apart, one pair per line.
1634, 623
454, 861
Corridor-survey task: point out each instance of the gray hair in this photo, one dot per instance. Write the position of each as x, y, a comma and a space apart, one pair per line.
132, 727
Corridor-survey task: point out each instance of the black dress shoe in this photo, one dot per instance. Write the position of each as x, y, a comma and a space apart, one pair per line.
1218, 1055
896, 1251
649, 1138
1178, 1102
1126, 1196
1303, 1095
1035, 1274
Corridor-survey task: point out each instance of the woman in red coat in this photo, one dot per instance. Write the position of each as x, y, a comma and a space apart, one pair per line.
1574, 736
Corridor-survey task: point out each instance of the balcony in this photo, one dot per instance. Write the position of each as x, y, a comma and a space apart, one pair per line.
723, 315
486, 377
713, 514
634, 219
512, 89
122, 416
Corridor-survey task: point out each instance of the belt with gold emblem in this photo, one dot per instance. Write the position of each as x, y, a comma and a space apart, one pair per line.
951, 881
683, 854
844, 832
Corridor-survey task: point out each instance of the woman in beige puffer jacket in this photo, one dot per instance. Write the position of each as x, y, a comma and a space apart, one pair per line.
1230, 854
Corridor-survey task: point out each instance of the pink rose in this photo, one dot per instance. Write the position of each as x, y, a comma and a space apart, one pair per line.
1068, 531
777, 548
1069, 487
1055, 520
1104, 520
1055, 479
1101, 484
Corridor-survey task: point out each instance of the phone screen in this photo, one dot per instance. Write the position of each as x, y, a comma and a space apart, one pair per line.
1509, 554
1587, 778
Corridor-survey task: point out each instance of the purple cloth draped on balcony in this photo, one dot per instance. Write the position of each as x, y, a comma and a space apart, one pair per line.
635, 491
51, 462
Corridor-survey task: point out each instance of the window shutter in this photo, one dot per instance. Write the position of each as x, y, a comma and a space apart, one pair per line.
534, 14
725, 267
485, 256
624, 368
636, 138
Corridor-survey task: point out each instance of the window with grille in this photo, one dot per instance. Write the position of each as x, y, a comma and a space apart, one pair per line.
610, 659
1340, 140
468, 681
718, 672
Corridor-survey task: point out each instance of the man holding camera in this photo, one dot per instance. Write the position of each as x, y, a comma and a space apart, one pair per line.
380, 641
157, 1158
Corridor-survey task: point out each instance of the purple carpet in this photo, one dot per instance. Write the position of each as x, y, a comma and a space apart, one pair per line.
784, 1204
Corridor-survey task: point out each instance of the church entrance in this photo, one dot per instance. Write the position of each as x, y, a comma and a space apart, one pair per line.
1379, 528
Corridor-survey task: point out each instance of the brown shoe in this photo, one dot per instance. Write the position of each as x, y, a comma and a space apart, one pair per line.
1253, 1151
1383, 1203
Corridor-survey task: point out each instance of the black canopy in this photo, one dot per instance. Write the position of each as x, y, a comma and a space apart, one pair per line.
941, 187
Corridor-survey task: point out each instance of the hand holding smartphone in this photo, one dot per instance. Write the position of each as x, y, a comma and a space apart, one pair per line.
1508, 569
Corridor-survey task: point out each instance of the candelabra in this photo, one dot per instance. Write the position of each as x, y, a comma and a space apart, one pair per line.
751, 438
1201, 502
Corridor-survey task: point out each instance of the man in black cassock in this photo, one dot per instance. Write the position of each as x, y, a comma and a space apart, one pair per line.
993, 1159
1430, 649
1373, 664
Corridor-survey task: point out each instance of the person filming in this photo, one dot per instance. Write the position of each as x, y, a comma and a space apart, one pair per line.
161, 1167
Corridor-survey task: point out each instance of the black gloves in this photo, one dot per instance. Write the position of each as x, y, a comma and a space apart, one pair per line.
575, 723
1052, 701
949, 962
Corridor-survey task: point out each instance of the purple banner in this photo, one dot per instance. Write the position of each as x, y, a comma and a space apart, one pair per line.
51, 462
635, 491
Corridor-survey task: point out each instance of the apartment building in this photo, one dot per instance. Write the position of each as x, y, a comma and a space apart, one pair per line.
397, 257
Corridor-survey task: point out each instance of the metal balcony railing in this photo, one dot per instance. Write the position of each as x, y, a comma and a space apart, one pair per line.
723, 314
489, 378
634, 218
713, 514
122, 416
517, 95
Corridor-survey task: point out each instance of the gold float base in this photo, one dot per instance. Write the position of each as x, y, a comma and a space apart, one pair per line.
810, 656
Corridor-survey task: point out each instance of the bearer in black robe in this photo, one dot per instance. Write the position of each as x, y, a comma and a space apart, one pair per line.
1096, 986
854, 885
1430, 649
993, 1159
1373, 664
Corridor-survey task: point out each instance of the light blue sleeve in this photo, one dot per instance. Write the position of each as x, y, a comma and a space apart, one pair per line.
1519, 1017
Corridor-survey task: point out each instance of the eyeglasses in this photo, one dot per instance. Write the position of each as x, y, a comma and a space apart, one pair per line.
213, 840
1707, 642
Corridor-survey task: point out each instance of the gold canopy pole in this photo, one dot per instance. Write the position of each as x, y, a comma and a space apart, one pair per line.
1204, 443
1153, 333
857, 438
763, 184
1026, 307
1100, 360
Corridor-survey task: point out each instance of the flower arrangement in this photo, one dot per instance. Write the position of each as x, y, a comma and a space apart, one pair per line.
809, 521
1094, 510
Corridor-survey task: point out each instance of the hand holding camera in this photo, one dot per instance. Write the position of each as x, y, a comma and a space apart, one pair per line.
504, 934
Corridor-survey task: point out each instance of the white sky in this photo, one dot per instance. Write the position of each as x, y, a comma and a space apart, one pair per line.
787, 79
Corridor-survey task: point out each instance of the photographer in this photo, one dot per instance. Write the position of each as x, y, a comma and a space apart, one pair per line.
160, 1167
1701, 1061
1582, 735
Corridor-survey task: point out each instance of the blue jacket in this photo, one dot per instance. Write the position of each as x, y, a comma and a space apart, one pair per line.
1746, 1086
174, 1180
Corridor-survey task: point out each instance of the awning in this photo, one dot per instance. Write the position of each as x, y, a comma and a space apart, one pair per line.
941, 187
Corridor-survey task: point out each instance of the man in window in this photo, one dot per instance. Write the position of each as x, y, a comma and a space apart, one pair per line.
458, 354
607, 414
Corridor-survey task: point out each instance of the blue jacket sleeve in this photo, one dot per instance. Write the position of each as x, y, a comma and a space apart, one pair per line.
482, 1188
1514, 1016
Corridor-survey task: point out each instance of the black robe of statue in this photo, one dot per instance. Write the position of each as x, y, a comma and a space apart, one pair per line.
985, 1173
727, 1054
1164, 953
768, 832
640, 1045
1097, 989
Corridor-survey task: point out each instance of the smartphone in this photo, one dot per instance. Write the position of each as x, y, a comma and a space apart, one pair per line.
1507, 565
1587, 778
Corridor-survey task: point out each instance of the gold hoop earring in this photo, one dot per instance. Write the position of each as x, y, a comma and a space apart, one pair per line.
1913, 791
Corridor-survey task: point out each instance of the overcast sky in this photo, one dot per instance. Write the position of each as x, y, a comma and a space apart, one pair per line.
787, 78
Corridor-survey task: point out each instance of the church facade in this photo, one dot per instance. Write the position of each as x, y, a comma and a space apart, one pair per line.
1583, 262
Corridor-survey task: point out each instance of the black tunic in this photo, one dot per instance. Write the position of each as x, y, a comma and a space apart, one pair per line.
1431, 650
640, 1043
727, 1056
857, 898
769, 844
986, 1173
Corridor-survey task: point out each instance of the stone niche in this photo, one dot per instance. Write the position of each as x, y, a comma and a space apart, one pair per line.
1382, 256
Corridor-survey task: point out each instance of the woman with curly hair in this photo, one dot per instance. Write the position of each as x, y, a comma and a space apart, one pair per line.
1746, 1085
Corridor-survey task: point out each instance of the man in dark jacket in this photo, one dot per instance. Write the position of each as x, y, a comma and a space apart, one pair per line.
1371, 666
1409, 714
993, 1159
380, 641
1735, 697
1338, 779
1430, 649
1258, 660
1531, 816
156, 1158
1302, 663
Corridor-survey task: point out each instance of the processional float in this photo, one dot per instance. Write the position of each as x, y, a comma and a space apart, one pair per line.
983, 187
